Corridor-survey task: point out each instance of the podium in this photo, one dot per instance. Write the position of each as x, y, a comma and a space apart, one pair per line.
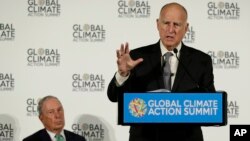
204, 109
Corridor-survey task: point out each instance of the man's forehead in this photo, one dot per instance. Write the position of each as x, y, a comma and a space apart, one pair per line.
51, 103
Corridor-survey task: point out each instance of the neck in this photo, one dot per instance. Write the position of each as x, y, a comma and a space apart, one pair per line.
170, 48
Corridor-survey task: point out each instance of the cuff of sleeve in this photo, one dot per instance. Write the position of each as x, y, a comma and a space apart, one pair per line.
120, 79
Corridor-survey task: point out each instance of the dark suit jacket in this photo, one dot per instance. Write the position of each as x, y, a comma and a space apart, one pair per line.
42, 135
147, 76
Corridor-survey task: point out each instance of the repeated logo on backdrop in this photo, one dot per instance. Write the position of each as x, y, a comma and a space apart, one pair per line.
89, 33
225, 59
7, 82
88, 82
43, 57
44, 8
223, 10
31, 108
7, 32
89, 130
190, 35
9, 130
233, 109
133, 9
92, 128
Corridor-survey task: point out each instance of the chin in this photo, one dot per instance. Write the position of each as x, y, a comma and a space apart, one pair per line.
169, 43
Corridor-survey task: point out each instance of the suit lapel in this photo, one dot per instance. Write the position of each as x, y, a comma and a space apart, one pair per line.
185, 59
155, 56
67, 135
45, 136
155, 61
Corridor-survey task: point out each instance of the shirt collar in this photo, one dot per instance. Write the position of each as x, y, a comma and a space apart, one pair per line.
164, 49
52, 135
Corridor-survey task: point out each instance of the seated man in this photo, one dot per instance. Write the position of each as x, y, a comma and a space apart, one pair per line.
51, 114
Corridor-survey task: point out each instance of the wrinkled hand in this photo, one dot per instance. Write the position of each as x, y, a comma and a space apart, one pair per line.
124, 62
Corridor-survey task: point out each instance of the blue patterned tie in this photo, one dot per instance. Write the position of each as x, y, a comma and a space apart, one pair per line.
167, 71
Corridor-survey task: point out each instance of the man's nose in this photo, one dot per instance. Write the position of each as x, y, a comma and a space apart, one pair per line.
170, 28
57, 114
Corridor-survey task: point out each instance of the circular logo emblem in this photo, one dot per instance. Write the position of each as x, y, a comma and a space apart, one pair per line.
220, 54
137, 107
85, 76
41, 51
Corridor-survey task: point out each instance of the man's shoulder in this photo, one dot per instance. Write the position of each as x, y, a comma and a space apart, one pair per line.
195, 52
73, 135
146, 47
35, 136
146, 50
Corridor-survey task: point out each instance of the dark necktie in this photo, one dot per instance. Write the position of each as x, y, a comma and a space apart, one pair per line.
167, 71
59, 137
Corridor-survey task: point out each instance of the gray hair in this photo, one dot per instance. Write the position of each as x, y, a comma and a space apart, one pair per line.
41, 102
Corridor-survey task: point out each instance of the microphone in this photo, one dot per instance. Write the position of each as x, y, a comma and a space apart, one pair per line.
185, 69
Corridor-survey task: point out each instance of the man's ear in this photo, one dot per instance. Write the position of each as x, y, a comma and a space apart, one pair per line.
157, 23
41, 117
187, 27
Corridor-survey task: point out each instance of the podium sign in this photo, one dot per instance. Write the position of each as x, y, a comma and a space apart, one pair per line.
178, 108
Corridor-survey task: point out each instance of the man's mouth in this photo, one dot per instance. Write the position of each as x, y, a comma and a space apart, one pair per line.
170, 37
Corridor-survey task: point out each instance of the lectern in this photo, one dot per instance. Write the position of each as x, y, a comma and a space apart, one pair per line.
204, 109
